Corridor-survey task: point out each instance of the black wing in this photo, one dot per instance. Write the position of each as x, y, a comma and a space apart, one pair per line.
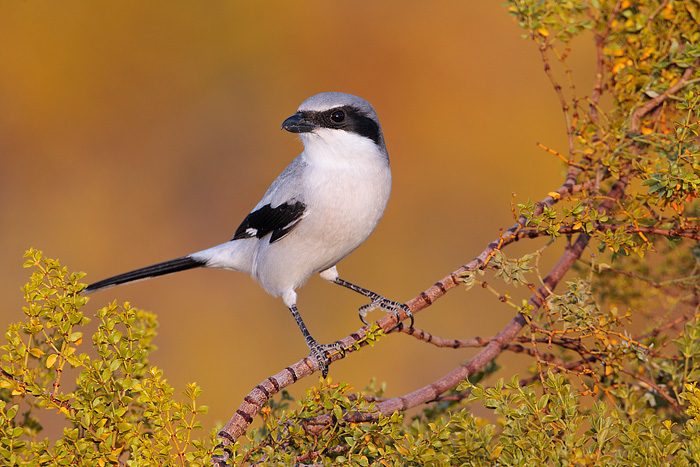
279, 221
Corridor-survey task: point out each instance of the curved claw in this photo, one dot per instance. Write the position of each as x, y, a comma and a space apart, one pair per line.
318, 351
408, 312
387, 305
364, 309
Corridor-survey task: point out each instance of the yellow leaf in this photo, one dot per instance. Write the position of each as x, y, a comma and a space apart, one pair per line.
554, 194
543, 31
617, 67
496, 452
51, 360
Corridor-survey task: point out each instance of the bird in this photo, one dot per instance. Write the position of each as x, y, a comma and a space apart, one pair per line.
322, 207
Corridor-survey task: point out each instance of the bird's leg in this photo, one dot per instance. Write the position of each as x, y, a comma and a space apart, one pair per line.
318, 351
378, 301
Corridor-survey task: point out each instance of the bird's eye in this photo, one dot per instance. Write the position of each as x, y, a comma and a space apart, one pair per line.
338, 116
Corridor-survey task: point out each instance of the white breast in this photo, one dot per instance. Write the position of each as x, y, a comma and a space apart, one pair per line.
346, 186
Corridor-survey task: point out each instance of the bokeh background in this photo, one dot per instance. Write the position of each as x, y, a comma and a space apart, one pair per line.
134, 132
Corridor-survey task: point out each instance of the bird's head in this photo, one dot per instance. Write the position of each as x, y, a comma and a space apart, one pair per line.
336, 119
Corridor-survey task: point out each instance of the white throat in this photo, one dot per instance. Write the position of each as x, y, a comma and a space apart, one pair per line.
337, 147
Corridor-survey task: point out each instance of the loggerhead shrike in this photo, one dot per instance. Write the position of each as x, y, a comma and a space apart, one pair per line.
323, 206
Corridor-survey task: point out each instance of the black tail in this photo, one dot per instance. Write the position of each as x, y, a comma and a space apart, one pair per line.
160, 269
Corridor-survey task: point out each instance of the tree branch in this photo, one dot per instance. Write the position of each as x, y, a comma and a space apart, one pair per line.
687, 232
559, 368
488, 353
495, 346
600, 63
642, 111
253, 402
439, 341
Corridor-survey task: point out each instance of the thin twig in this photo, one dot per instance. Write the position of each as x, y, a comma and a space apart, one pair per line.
688, 232
468, 343
637, 115
439, 341
600, 63
651, 282
672, 402
60, 404
560, 368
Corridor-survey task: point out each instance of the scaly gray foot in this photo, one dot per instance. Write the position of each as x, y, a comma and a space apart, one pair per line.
387, 305
318, 351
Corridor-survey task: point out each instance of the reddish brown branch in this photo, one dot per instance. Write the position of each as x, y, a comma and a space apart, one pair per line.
656, 331
560, 94
60, 404
651, 282
495, 346
439, 341
488, 353
262, 393
473, 342
315, 454
483, 342
600, 63
572, 366
642, 111
687, 232
663, 394
587, 358
254, 401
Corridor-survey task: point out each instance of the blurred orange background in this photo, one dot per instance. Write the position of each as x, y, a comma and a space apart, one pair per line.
135, 132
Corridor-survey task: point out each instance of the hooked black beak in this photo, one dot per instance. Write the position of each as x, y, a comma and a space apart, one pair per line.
297, 124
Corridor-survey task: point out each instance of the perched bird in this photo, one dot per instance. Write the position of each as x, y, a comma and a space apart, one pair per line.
323, 206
